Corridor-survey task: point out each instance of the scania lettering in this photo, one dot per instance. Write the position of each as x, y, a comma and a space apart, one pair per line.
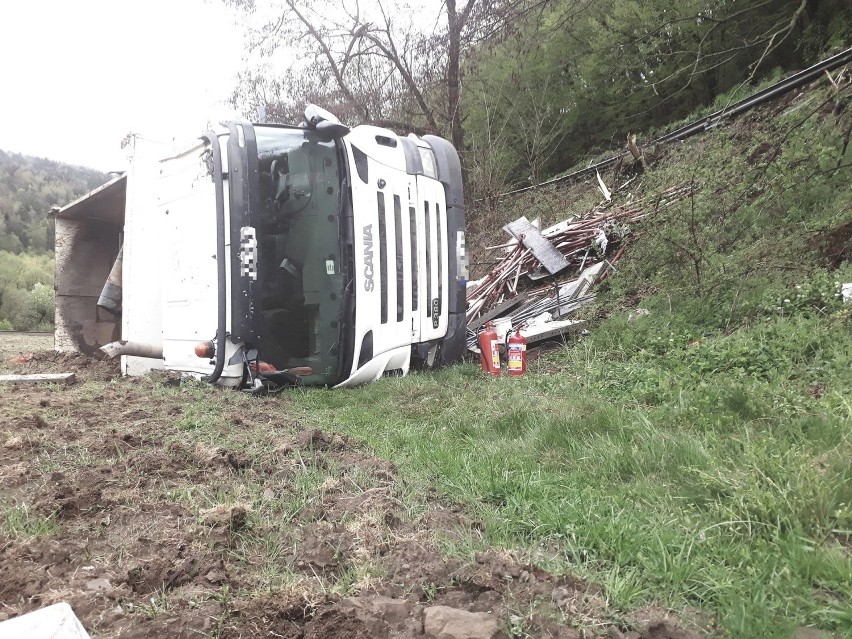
368, 258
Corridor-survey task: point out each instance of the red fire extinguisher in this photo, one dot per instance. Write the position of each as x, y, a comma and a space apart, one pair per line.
489, 353
516, 349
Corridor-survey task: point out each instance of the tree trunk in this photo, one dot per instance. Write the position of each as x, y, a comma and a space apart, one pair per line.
454, 28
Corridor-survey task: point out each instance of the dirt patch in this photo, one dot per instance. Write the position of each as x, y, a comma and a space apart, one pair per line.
759, 151
86, 368
237, 523
657, 623
221, 457
16, 345
835, 245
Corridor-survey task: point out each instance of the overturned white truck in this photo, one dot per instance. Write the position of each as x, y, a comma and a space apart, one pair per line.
270, 255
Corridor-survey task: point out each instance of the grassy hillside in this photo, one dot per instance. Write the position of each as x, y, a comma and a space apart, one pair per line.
29, 188
697, 457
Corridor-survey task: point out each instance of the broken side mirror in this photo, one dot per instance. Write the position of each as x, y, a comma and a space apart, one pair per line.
331, 130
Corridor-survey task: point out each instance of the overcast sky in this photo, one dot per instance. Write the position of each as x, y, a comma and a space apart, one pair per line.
78, 75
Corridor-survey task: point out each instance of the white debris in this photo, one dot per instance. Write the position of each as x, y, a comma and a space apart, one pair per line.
551, 329
607, 195
473, 283
53, 622
538, 320
559, 227
581, 286
636, 314
602, 241
503, 328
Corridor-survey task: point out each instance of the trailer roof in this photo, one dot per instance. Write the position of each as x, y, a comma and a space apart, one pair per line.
103, 203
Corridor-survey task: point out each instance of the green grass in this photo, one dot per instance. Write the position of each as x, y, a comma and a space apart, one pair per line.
20, 521
697, 457
731, 494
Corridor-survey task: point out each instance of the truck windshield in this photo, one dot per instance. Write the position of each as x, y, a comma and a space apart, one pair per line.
300, 274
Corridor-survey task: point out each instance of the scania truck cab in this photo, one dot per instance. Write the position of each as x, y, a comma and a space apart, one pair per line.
274, 255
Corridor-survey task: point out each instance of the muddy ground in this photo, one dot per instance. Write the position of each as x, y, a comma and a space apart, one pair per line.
157, 509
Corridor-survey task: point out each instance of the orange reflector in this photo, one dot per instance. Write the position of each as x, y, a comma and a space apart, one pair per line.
205, 349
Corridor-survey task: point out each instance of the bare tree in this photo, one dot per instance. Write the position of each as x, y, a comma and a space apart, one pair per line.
393, 64
540, 126
490, 162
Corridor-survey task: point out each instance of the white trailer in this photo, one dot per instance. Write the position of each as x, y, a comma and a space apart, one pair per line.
266, 255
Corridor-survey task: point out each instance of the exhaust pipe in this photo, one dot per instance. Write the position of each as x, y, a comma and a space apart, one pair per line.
134, 349
110, 298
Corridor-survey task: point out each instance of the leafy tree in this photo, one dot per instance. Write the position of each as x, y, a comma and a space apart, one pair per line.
40, 305
527, 88
26, 291
29, 188
612, 67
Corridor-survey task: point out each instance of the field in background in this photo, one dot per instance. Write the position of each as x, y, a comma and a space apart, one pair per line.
22, 344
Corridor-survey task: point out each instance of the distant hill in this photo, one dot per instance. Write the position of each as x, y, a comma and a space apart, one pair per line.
29, 188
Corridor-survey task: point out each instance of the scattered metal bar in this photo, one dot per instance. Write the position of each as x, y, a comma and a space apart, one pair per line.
585, 248
497, 311
542, 249
41, 378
